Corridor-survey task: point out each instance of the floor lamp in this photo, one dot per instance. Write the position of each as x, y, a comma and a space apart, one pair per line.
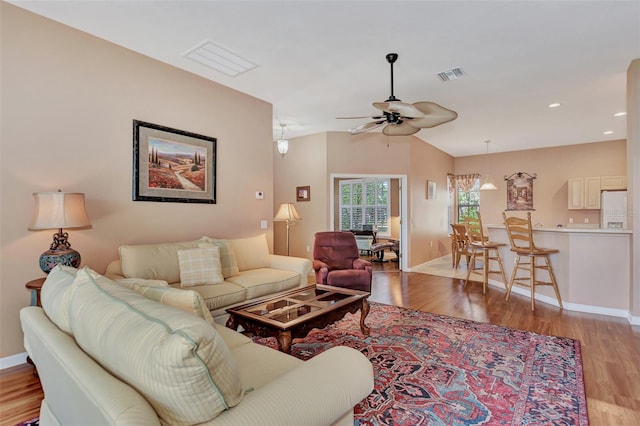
287, 213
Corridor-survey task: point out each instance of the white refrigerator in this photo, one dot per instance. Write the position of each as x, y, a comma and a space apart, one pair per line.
613, 209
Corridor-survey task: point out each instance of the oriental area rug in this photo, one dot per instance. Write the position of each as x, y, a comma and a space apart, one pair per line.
437, 370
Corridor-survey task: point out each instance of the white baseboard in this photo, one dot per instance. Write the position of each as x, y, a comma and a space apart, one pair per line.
13, 360
576, 307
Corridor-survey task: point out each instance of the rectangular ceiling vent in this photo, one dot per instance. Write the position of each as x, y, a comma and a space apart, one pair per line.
451, 74
219, 58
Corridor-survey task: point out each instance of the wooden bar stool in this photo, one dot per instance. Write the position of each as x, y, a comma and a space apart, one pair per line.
520, 235
460, 244
481, 244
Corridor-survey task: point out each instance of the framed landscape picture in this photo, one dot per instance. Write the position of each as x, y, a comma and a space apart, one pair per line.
173, 165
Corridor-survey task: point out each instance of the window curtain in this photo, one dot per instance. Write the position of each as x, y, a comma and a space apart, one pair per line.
464, 182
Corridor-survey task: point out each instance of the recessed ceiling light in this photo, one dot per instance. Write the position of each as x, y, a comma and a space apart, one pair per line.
554, 105
607, 132
620, 114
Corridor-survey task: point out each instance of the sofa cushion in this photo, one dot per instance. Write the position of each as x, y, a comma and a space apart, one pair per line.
227, 255
178, 362
56, 295
219, 295
251, 253
200, 266
153, 261
263, 281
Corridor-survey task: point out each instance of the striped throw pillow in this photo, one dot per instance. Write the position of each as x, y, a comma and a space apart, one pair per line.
200, 266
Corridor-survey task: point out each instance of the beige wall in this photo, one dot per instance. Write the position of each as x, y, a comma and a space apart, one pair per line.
304, 165
68, 101
553, 166
428, 226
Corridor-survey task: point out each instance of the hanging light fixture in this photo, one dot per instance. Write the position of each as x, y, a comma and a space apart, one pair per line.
282, 144
488, 184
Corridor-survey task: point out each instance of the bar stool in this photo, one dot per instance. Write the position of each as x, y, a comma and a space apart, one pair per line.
481, 244
460, 244
520, 235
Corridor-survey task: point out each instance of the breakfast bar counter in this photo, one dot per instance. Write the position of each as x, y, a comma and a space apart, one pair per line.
592, 268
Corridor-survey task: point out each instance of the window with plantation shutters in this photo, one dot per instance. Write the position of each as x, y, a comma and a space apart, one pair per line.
365, 202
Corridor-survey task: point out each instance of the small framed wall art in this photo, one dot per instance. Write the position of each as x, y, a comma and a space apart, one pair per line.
431, 190
303, 193
172, 165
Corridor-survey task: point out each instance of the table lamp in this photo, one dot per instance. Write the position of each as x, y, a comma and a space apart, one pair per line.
287, 213
58, 210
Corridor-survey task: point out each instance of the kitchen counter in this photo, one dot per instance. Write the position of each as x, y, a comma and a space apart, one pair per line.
575, 230
592, 268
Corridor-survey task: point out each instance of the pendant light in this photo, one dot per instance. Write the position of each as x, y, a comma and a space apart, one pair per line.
488, 184
282, 144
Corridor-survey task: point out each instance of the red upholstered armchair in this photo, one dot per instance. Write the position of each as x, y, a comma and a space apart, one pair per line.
336, 261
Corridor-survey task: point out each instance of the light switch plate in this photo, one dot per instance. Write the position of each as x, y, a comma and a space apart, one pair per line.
259, 195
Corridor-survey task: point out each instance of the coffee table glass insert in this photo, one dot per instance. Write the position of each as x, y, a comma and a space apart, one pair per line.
294, 313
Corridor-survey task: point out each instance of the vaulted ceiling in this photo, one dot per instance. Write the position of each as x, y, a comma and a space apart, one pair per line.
318, 60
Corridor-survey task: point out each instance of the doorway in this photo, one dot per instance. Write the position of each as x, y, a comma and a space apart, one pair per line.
401, 206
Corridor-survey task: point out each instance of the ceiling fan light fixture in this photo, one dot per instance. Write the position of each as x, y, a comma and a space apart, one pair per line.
402, 118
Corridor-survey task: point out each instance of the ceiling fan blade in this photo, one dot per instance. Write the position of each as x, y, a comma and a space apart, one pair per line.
366, 127
402, 129
375, 117
402, 108
434, 115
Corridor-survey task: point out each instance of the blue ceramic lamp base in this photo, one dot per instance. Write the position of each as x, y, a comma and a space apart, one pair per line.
60, 252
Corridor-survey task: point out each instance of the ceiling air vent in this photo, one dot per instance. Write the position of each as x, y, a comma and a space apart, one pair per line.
218, 58
451, 74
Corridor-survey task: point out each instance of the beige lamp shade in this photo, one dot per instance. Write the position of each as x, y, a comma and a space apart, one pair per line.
287, 212
58, 210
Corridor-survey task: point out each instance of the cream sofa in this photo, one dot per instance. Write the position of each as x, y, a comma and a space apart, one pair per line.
108, 353
248, 270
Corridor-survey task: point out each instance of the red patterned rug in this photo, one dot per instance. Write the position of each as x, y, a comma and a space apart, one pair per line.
438, 370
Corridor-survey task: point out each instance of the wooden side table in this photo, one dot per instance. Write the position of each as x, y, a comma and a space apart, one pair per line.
35, 286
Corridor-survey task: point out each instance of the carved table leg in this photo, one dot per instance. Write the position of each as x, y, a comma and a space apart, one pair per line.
364, 311
284, 341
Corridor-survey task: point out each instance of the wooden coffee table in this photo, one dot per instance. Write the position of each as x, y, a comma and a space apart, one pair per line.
294, 313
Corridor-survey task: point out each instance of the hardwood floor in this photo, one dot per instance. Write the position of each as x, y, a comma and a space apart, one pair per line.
610, 346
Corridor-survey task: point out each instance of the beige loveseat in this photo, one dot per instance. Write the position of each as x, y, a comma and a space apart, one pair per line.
107, 353
246, 269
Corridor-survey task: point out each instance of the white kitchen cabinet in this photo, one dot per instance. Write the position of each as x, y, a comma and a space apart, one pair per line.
612, 183
584, 193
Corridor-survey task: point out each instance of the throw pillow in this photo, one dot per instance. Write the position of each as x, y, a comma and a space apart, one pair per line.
227, 255
187, 300
132, 282
200, 266
56, 295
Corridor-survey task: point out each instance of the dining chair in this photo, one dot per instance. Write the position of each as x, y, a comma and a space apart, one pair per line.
484, 251
527, 253
460, 243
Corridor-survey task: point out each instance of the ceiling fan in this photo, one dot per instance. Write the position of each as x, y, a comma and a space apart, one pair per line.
403, 119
